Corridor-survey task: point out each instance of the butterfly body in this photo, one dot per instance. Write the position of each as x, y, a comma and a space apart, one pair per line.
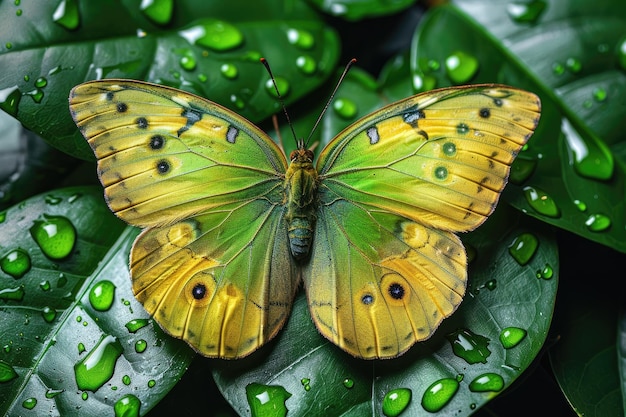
301, 183
231, 228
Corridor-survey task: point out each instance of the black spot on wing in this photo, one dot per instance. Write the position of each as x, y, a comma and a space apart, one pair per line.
193, 116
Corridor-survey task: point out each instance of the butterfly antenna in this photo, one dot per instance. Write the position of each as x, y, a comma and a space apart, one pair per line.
280, 98
330, 99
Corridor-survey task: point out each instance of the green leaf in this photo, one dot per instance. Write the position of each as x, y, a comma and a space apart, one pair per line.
323, 380
65, 299
208, 48
576, 157
361, 9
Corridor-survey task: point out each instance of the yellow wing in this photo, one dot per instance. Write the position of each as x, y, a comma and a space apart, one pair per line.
386, 266
213, 265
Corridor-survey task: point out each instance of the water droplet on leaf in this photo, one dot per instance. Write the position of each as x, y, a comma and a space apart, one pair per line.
590, 156
136, 324
396, 401
101, 295
527, 11
55, 235
523, 247
66, 14
439, 393
229, 71
541, 202
140, 346
214, 34
469, 346
512, 336
461, 67
487, 382
29, 403
159, 11
48, 314
306, 64
598, 222
10, 99
98, 366
15, 263
345, 108
301, 38
7, 373
267, 400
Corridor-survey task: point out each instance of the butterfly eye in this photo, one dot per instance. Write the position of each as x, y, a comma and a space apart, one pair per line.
396, 291
198, 291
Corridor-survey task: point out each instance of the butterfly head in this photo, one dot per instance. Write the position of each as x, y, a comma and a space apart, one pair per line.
302, 155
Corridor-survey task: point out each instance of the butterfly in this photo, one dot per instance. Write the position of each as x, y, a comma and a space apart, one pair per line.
231, 227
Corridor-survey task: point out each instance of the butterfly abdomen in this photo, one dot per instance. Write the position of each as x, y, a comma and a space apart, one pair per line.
301, 196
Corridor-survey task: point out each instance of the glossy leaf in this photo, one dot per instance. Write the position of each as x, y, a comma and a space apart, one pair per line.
205, 48
576, 157
357, 10
71, 331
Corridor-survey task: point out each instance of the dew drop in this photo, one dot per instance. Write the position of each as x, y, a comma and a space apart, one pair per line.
558, 68
281, 83
590, 157
55, 235
62, 281
151, 383
29, 403
15, 263
461, 67
574, 65
396, 401
541, 202
48, 314
546, 272
188, 61
7, 373
439, 393
306, 383
267, 400
140, 346
469, 346
521, 170
66, 14
126, 380
101, 295
487, 382
345, 108
423, 82
491, 285
301, 38
127, 406
84, 396
527, 11
599, 94
36, 94
229, 71
18, 12
158, 11
214, 34
98, 366
598, 222
41, 82
580, 205
523, 247
10, 99
512, 336
134, 325
237, 102
306, 64
51, 393
81, 348
14, 294
45, 285
348, 383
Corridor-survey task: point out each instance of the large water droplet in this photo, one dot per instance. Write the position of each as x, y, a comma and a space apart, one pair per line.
229, 71
140, 346
48, 314
523, 248
267, 400
487, 382
461, 67
7, 373
281, 83
439, 393
214, 34
541, 202
10, 99
14, 294
188, 61
345, 108
127, 406
598, 222
512, 336
396, 401
527, 11
469, 346
306, 64
66, 14
15, 263
590, 158
101, 295
98, 366
29, 403
136, 324
303, 39
159, 11
55, 235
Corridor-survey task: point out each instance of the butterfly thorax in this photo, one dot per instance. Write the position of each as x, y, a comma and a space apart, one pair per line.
300, 194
